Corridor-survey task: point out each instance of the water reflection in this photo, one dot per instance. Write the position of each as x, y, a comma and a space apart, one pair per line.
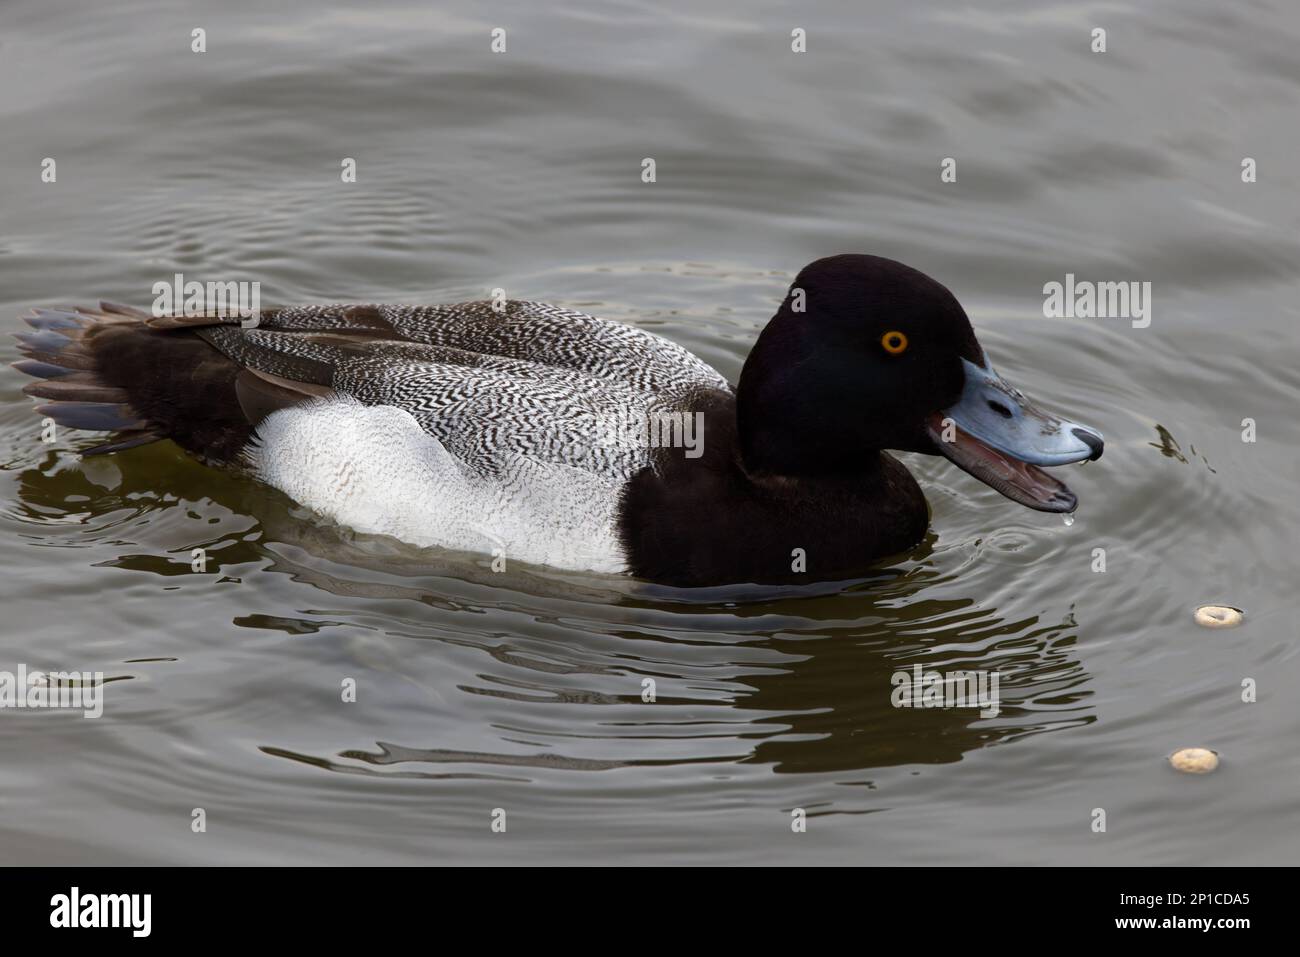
797, 679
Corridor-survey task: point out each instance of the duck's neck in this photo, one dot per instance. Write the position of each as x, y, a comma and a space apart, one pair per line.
810, 455
779, 434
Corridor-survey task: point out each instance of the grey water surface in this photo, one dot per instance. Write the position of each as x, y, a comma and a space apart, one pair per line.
522, 690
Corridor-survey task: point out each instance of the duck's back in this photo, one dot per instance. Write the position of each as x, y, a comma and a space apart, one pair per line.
535, 332
482, 426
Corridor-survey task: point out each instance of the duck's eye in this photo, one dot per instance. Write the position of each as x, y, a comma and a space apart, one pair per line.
894, 342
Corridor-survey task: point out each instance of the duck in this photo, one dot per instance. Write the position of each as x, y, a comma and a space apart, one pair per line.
537, 433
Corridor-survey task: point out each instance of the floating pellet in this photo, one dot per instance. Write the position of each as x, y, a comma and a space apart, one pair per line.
1194, 760
1218, 616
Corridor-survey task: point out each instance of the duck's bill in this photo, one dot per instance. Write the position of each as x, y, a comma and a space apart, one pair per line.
996, 435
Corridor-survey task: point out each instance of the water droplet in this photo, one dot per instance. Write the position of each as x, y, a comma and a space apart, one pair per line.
1069, 519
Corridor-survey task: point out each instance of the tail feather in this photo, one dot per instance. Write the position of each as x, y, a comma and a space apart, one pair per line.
94, 416
68, 359
77, 387
117, 309
112, 368
123, 441
43, 340
39, 369
55, 319
60, 356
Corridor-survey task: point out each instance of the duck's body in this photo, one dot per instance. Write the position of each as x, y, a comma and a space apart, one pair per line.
519, 428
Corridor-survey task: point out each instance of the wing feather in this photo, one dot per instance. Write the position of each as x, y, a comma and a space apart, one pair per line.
533, 380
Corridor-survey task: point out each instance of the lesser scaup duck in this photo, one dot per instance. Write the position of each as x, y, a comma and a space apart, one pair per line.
486, 427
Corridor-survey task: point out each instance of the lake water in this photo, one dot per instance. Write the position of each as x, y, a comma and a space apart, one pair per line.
522, 691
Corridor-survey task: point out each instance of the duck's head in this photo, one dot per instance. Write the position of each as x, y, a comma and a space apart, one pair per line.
867, 354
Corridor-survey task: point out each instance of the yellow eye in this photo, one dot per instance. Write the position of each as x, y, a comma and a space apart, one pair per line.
894, 342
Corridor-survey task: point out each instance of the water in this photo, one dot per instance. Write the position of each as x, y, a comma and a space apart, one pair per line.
523, 691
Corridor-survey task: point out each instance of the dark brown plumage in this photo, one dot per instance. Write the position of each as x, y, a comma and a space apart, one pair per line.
107, 369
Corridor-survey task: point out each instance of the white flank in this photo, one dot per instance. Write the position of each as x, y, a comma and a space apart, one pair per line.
374, 469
